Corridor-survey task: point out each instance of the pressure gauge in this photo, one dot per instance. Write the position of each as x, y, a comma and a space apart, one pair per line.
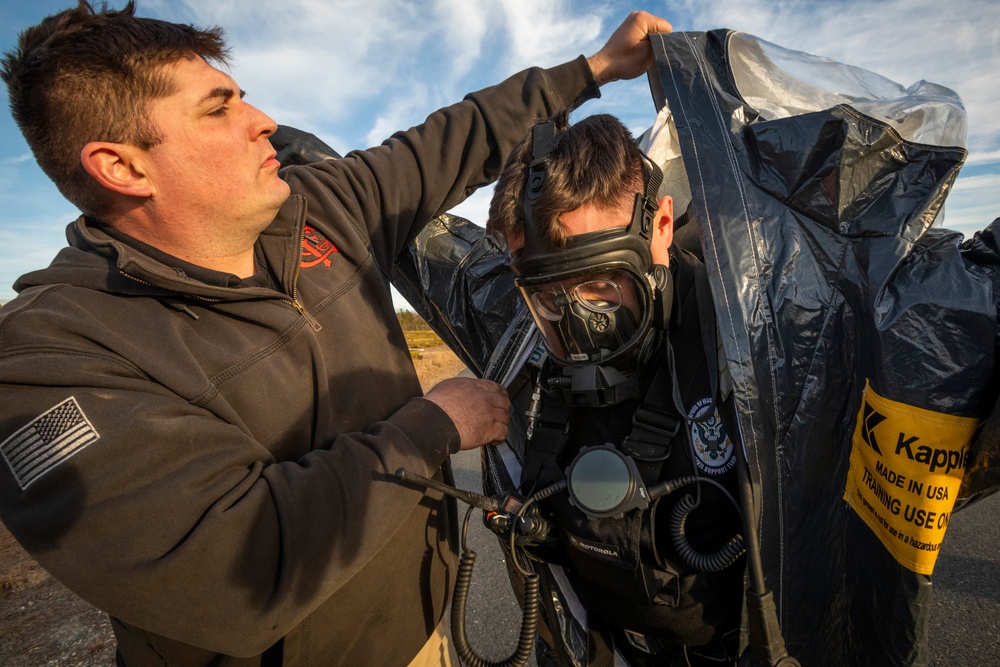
603, 483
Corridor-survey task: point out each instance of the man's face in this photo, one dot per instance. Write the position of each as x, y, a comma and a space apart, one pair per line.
590, 311
215, 167
599, 310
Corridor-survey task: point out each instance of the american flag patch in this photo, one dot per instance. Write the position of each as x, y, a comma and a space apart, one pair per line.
47, 441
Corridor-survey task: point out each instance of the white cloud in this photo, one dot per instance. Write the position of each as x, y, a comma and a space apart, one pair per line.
477, 207
34, 242
983, 157
984, 182
548, 32
18, 159
406, 112
969, 217
463, 27
973, 203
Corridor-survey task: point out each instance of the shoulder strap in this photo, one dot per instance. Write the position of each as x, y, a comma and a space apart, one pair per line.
655, 424
659, 417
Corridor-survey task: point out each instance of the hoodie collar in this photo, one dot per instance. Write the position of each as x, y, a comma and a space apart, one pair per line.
136, 268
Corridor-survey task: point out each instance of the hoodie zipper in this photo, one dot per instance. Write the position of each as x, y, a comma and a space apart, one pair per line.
296, 304
305, 314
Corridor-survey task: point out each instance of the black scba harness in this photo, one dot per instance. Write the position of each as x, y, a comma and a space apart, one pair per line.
639, 564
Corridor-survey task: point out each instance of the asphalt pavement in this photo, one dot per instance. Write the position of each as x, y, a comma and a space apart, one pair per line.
965, 621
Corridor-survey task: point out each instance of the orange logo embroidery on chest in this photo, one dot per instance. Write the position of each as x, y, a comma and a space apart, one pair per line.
316, 249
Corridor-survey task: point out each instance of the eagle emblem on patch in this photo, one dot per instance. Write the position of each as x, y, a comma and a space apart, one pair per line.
713, 448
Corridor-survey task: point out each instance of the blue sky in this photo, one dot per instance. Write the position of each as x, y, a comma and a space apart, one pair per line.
353, 71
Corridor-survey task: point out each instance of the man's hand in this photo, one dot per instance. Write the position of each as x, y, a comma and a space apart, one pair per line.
628, 53
479, 409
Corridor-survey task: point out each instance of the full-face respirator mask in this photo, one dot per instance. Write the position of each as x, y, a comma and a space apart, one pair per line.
599, 301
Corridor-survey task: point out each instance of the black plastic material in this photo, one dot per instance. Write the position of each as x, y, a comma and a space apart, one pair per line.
827, 273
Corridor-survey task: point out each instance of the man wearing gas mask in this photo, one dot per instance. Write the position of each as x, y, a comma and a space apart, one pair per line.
629, 406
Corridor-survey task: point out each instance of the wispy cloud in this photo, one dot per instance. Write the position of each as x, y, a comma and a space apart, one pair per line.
33, 242
463, 30
399, 115
547, 32
18, 159
983, 157
990, 182
972, 204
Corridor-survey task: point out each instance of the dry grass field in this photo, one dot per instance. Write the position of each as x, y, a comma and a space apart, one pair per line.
432, 358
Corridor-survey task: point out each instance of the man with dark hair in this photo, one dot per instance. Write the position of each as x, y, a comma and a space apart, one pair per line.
199, 425
629, 404
69, 82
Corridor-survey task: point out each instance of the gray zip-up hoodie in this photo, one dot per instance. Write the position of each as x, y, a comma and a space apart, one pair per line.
213, 465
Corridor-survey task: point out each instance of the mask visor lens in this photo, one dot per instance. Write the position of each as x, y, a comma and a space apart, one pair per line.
596, 296
586, 319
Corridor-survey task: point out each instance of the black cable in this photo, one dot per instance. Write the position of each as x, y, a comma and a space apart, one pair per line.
547, 492
713, 562
671, 485
459, 602
756, 566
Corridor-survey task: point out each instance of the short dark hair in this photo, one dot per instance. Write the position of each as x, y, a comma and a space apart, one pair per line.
83, 75
595, 161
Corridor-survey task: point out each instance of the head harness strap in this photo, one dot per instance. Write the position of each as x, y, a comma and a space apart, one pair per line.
542, 142
542, 139
644, 213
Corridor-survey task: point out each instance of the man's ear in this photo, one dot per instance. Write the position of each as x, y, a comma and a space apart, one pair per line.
117, 167
663, 231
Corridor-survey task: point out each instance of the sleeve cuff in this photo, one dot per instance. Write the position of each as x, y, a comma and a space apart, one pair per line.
573, 82
429, 428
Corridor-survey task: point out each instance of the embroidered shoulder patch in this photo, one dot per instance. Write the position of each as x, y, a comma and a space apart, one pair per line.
712, 445
48, 440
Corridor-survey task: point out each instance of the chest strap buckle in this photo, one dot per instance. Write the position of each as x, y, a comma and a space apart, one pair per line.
652, 434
